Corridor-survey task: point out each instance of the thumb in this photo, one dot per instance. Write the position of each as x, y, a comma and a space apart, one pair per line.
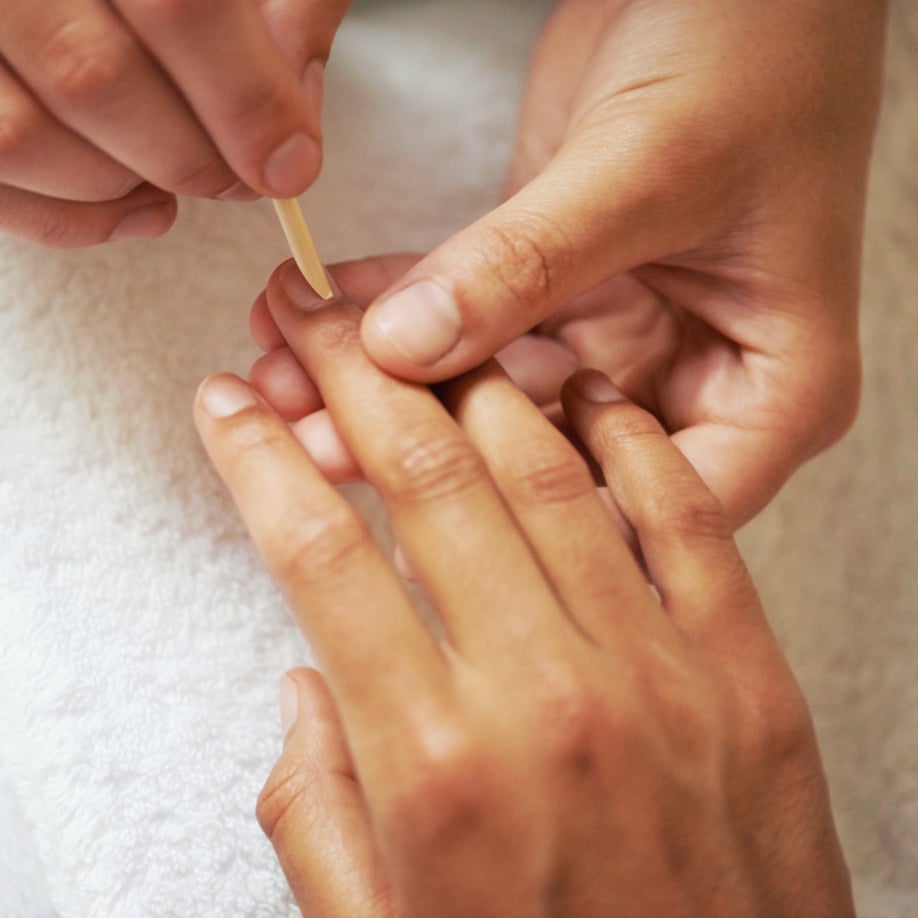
589, 215
313, 811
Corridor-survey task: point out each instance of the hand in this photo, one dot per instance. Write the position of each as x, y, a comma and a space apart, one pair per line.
108, 110
686, 210
572, 745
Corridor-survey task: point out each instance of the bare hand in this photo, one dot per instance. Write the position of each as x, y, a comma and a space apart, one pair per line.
573, 745
686, 215
110, 109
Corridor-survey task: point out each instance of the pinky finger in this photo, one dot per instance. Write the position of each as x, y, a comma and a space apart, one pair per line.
144, 213
312, 810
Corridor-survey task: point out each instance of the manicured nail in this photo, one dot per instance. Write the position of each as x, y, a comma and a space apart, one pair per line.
289, 698
313, 82
298, 290
292, 166
594, 386
422, 322
145, 222
224, 396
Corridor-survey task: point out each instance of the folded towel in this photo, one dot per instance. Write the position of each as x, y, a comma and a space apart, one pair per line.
140, 641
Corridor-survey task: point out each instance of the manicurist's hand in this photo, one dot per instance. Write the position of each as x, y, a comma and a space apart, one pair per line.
686, 209
108, 110
570, 743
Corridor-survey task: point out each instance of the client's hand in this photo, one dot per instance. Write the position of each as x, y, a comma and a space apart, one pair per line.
688, 190
571, 743
108, 110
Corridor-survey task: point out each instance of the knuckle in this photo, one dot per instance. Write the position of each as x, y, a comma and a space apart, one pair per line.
19, 123
688, 513
336, 335
441, 799
84, 63
259, 103
774, 721
63, 228
284, 791
525, 258
430, 462
625, 431
574, 720
316, 545
251, 439
541, 473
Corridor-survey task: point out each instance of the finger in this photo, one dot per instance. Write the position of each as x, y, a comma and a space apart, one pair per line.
142, 214
342, 591
445, 512
684, 533
551, 493
302, 30
284, 384
539, 366
94, 75
364, 279
313, 811
320, 438
265, 123
264, 332
288, 388
38, 154
588, 216
361, 280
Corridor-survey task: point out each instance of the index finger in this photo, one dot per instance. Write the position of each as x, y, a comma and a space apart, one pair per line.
248, 97
343, 592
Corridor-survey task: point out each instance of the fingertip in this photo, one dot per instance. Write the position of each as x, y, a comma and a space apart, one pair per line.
292, 166
146, 221
223, 396
262, 327
287, 288
283, 383
593, 387
318, 435
409, 332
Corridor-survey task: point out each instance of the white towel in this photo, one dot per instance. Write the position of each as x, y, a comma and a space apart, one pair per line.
140, 641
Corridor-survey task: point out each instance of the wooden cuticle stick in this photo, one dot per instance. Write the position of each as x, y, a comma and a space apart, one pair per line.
301, 245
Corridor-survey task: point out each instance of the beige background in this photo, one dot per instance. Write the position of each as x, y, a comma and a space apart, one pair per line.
836, 555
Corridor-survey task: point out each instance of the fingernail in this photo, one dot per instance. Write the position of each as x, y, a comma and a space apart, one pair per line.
298, 290
289, 698
291, 167
422, 322
144, 223
313, 82
594, 386
224, 396
238, 193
